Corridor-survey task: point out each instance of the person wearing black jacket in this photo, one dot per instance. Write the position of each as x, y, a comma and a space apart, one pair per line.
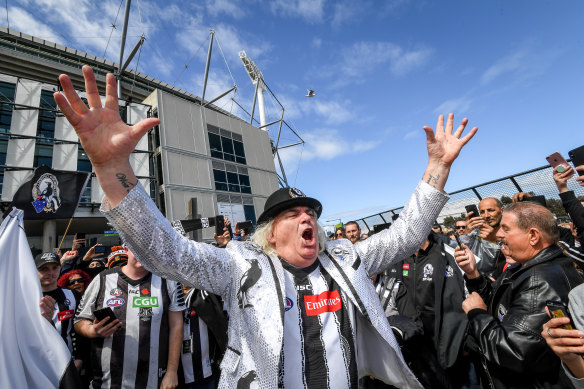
506, 317
428, 288
571, 204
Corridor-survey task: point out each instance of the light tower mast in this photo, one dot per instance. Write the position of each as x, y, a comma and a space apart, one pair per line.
257, 79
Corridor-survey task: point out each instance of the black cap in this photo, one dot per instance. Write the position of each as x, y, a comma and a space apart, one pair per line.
286, 198
44, 258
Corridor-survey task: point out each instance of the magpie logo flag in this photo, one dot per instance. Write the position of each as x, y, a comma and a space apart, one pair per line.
33, 354
50, 194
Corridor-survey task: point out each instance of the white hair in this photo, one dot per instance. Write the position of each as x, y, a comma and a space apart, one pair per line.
264, 231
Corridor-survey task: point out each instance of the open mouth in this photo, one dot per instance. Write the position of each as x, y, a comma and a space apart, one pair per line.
307, 234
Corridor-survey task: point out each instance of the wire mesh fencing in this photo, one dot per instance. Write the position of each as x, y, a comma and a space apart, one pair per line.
537, 182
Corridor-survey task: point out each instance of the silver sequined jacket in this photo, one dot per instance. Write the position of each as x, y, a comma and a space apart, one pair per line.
252, 285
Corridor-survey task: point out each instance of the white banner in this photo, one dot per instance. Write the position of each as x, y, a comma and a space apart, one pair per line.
33, 354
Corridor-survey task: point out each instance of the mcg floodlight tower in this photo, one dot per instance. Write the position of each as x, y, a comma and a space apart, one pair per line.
257, 79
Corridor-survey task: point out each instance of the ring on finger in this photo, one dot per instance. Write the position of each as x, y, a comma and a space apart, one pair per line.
550, 334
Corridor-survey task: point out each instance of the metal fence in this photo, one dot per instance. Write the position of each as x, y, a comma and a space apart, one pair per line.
537, 181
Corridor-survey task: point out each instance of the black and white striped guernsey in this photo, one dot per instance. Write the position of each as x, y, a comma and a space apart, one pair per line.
319, 347
137, 354
66, 302
199, 345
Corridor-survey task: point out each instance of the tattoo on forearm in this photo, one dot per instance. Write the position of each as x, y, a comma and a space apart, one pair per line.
433, 179
125, 182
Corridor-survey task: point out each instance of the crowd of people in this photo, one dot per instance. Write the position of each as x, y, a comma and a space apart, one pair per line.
410, 306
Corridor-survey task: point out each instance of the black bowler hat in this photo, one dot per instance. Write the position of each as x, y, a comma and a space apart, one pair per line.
286, 198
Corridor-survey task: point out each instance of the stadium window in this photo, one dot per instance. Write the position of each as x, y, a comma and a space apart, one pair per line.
224, 147
244, 183
3, 148
43, 151
249, 212
7, 91
215, 145
47, 114
220, 179
231, 182
239, 153
84, 165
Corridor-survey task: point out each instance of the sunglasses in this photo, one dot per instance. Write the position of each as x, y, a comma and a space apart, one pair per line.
75, 281
339, 234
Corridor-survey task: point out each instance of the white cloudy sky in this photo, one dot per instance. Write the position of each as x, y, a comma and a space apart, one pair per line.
381, 70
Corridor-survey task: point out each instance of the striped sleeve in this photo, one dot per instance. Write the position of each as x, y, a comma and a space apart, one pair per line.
177, 297
85, 308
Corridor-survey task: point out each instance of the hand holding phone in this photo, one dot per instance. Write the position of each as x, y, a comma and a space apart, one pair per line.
102, 313
472, 208
457, 237
559, 309
219, 224
557, 162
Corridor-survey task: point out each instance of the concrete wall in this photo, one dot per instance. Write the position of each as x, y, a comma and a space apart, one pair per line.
187, 162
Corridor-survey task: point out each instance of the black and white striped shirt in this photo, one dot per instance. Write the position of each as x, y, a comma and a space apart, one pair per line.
319, 348
65, 305
199, 345
137, 354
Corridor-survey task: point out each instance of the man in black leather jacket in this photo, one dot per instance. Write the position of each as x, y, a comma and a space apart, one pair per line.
508, 327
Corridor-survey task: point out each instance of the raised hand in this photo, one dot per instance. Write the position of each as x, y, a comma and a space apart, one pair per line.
444, 145
106, 139
443, 148
102, 132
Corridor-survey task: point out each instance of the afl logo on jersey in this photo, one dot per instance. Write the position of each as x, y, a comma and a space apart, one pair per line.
115, 302
289, 304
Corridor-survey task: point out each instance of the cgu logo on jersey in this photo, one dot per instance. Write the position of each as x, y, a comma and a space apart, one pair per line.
329, 301
289, 304
145, 302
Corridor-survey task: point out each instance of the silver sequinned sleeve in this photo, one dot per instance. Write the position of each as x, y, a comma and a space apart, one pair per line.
165, 252
407, 233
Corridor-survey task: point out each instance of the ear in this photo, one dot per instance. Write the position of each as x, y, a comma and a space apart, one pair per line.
534, 236
271, 237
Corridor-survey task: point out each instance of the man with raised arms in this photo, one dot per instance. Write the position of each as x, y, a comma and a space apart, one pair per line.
303, 312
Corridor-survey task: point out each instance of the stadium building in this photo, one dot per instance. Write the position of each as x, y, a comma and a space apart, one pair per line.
200, 161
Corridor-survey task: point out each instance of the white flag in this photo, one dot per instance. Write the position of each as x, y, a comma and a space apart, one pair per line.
33, 354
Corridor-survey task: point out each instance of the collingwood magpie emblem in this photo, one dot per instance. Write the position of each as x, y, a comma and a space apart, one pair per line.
254, 247
428, 272
145, 314
293, 192
248, 279
247, 379
339, 252
45, 194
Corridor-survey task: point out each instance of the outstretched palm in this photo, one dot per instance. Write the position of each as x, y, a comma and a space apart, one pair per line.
104, 136
444, 145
